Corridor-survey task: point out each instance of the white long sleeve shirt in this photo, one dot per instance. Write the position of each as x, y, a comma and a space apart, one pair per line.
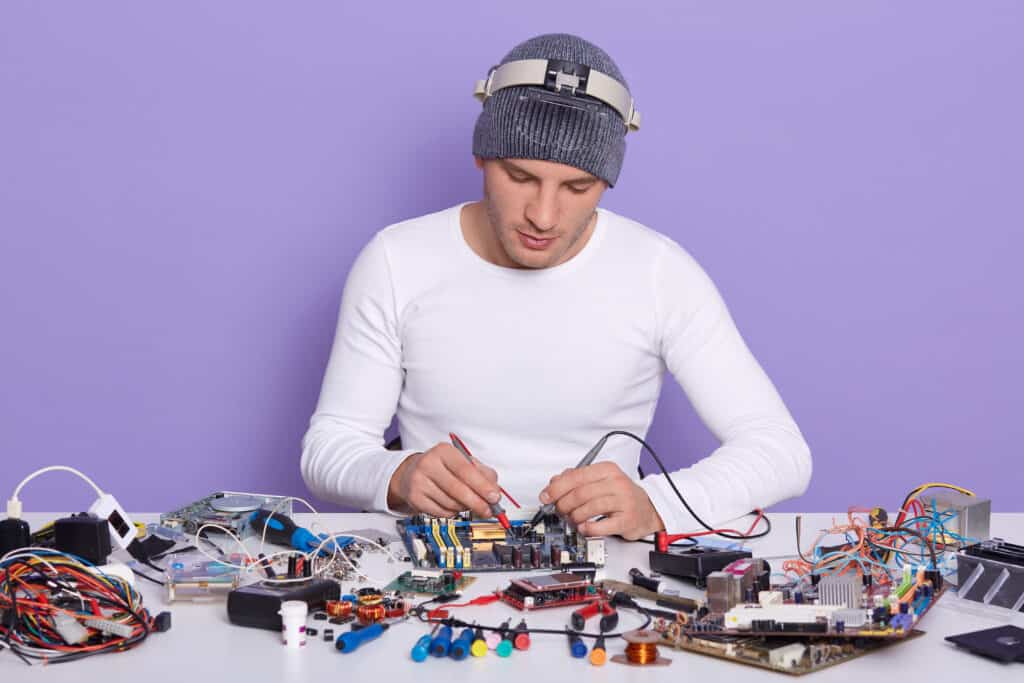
531, 367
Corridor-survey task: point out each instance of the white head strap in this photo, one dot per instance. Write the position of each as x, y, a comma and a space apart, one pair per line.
562, 76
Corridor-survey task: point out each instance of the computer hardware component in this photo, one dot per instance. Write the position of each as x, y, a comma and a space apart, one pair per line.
992, 572
693, 562
258, 605
774, 654
84, 535
430, 582
1003, 643
671, 601
200, 580
122, 531
483, 545
969, 516
229, 509
845, 590
549, 590
896, 619
14, 533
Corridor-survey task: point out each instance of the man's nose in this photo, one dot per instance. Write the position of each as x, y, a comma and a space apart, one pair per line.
542, 212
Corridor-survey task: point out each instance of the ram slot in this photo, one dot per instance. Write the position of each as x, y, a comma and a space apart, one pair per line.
442, 548
455, 544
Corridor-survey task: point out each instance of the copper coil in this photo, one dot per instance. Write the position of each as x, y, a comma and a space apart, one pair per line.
370, 614
641, 649
641, 653
339, 608
370, 598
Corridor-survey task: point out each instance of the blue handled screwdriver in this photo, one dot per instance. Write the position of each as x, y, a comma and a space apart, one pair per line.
350, 640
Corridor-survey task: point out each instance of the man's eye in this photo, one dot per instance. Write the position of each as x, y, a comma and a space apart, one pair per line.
579, 190
518, 178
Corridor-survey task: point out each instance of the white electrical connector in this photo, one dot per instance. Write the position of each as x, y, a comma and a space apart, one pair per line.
121, 528
110, 627
69, 629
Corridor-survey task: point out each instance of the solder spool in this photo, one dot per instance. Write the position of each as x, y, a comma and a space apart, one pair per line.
641, 650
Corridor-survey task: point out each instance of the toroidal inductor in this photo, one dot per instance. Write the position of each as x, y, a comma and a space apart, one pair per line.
641, 650
370, 614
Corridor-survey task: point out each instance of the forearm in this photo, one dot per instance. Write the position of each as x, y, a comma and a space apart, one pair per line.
342, 465
759, 464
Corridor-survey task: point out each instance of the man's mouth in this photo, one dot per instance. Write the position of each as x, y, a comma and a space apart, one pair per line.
535, 243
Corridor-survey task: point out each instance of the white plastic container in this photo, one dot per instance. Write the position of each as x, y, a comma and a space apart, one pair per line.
293, 623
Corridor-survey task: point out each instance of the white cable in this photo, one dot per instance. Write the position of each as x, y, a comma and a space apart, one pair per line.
266, 523
20, 552
14, 503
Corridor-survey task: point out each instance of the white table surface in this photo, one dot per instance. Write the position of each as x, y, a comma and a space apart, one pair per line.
203, 645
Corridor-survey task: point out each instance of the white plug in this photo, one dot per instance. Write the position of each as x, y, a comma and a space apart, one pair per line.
121, 528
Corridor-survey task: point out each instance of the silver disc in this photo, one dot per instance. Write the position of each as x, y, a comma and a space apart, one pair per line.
236, 504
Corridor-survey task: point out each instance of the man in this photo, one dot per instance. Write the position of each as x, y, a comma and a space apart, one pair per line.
531, 323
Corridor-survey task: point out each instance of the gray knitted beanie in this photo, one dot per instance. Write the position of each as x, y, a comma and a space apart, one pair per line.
530, 122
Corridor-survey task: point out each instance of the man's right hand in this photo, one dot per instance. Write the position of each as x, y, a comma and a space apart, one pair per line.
441, 482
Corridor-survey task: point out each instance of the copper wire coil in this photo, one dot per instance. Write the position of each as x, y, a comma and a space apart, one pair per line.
339, 608
641, 653
370, 614
641, 649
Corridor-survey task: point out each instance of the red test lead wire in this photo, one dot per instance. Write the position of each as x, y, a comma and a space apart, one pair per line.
663, 540
462, 444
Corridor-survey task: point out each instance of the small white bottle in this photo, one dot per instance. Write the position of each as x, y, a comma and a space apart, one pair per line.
293, 623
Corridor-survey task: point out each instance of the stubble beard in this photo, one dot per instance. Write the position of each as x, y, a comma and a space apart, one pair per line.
509, 241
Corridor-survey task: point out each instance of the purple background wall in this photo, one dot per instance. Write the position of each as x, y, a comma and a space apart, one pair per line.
183, 187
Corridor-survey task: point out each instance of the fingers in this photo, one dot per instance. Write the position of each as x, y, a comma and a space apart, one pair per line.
442, 481
586, 496
614, 524
473, 475
600, 505
569, 480
461, 492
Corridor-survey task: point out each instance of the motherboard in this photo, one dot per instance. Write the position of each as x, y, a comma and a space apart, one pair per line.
484, 545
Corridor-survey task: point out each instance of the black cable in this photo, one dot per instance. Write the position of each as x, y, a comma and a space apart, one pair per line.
460, 623
176, 551
149, 578
668, 478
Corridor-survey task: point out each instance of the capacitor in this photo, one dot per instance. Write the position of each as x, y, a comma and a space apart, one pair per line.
798, 597
840, 626
750, 595
291, 567
517, 557
534, 556
556, 554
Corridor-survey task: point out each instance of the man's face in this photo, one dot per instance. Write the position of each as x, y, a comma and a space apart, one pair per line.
538, 210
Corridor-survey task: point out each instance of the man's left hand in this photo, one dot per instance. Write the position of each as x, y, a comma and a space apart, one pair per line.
603, 489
